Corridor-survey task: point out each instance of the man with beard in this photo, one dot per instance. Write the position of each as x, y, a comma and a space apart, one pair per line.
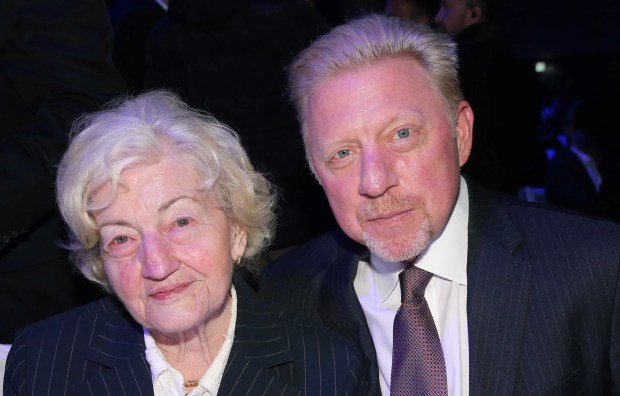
521, 299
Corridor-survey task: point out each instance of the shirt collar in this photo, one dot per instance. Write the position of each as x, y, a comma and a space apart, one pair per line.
446, 257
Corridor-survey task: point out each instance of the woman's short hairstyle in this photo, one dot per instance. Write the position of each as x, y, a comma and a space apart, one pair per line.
143, 130
370, 40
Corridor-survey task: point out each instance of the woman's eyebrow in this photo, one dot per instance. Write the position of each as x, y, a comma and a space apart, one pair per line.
172, 201
114, 223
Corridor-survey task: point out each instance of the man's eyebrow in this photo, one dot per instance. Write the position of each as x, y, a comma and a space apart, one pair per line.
402, 116
405, 115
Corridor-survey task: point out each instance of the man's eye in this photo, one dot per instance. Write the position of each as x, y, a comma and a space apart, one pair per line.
119, 240
182, 222
403, 133
343, 153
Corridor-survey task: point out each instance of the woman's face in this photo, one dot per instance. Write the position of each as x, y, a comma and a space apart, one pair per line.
167, 248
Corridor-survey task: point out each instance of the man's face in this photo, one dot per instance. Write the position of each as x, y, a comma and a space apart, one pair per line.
406, 10
382, 147
453, 16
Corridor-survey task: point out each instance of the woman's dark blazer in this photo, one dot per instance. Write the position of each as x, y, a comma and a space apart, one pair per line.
98, 349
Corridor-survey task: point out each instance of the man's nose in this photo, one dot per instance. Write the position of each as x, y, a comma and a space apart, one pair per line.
158, 261
378, 174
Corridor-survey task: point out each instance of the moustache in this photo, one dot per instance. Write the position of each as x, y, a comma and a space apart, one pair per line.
388, 203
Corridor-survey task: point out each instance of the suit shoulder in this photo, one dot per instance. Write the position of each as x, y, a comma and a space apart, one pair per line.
308, 326
294, 279
328, 356
85, 312
254, 308
560, 221
551, 238
316, 359
557, 240
537, 219
313, 256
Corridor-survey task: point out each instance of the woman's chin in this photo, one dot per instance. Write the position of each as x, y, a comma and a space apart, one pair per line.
174, 320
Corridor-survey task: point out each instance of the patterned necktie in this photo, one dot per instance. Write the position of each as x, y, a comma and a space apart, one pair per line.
418, 366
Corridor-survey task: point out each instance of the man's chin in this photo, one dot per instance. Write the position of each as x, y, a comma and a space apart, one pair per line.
401, 249
405, 246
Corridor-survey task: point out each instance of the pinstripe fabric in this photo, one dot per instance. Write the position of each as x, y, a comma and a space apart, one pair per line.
543, 297
99, 350
317, 281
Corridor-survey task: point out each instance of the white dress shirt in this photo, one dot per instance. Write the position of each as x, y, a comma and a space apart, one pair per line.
167, 381
4, 352
378, 289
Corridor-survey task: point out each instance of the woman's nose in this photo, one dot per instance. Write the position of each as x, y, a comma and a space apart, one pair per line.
158, 261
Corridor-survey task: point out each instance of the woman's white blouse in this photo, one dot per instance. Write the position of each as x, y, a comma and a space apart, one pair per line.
168, 381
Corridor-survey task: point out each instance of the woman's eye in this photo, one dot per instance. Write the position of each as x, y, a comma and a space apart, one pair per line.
184, 230
119, 240
403, 133
121, 246
342, 153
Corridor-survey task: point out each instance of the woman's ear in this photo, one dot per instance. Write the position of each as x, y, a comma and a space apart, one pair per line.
238, 242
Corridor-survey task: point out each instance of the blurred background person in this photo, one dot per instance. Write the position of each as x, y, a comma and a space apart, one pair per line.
163, 206
573, 178
337, 12
584, 175
132, 22
228, 58
55, 65
421, 11
502, 90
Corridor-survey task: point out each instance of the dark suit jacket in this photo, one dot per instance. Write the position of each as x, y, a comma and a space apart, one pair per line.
543, 301
98, 349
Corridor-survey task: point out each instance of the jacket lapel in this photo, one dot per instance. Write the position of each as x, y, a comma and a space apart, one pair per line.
261, 343
339, 306
116, 363
338, 303
498, 291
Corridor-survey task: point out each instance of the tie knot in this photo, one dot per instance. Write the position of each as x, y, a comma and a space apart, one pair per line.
413, 282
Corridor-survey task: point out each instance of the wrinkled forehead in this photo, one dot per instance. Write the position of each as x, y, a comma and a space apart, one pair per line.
116, 180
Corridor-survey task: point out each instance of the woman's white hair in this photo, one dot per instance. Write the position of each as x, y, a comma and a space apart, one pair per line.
142, 130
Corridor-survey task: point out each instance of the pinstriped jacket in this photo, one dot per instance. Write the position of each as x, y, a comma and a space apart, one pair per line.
543, 297
98, 349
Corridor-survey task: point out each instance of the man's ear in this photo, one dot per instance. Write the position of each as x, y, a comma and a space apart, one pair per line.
464, 131
474, 15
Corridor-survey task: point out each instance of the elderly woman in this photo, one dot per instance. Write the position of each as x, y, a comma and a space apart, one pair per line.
163, 204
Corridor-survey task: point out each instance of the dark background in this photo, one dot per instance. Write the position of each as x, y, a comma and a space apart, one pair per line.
580, 41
